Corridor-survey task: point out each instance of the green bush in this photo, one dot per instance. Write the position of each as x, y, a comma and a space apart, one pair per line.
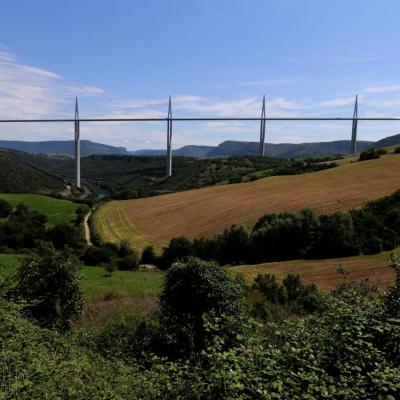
128, 262
5, 208
148, 256
47, 281
193, 290
371, 154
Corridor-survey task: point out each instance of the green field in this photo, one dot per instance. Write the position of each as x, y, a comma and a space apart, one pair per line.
94, 281
57, 211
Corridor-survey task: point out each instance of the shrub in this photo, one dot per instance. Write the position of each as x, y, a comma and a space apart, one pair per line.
193, 290
371, 154
5, 208
148, 256
62, 235
128, 262
177, 249
397, 150
47, 280
109, 267
97, 255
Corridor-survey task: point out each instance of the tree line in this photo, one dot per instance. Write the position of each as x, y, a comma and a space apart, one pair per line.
284, 236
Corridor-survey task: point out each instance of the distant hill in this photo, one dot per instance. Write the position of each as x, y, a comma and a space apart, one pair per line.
18, 174
233, 148
286, 150
62, 147
187, 151
388, 141
228, 148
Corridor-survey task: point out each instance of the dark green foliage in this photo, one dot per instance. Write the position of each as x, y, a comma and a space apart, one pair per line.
20, 174
127, 177
5, 208
371, 154
122, 257
64, 235
128, 262
192, 291
178, 248
47, 280
337, 238
349, 350
266, 294
397, 150
234, 245
109, 267
98, 255
23, 228
81, 212
148, 256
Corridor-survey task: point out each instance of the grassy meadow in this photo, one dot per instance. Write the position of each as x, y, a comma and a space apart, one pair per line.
57, 211
95, 282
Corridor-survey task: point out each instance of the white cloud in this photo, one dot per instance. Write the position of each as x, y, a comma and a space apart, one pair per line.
267, 82
30, 92
383, 89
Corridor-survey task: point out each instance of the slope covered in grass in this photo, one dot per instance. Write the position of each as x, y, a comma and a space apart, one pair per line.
57, 211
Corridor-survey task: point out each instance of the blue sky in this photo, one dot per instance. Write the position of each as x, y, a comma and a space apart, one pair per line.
215, 57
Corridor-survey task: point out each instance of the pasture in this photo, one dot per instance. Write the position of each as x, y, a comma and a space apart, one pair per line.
57, 211
208, 211
95, 282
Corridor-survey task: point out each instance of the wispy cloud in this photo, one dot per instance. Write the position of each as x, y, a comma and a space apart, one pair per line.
267, 82
30, 92
383, 89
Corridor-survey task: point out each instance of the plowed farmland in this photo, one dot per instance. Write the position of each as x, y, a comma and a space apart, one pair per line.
207, 211
375, 268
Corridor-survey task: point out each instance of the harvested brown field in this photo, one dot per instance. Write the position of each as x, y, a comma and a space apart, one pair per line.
324, 273
207, 211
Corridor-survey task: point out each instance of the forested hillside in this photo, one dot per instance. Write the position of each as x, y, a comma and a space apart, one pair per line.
124, 177
19, 174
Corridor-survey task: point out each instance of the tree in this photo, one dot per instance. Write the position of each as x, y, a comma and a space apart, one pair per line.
63, 235
109, 268
128, 262
194, 290
5, 208
80, 213
337, 236
177, 249
148, 255
234, 245
47, 280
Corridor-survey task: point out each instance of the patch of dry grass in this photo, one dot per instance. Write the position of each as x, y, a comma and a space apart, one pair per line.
324, 273
207, 211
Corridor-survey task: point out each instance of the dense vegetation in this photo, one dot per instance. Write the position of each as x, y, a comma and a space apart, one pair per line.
371, 154
125, 177
18, 174
348, 348
371, 229
23, 228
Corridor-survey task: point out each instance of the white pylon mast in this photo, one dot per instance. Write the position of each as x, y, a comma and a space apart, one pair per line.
169, 139
77, 147
354, 128
262, 129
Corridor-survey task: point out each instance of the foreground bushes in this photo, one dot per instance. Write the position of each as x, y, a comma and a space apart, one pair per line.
350, 350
